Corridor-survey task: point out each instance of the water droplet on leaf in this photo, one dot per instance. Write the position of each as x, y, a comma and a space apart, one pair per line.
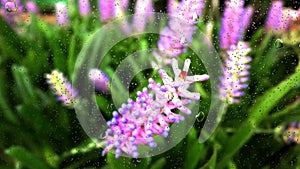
200, 116
278, 43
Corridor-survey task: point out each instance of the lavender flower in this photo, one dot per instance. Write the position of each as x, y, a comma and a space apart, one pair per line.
11, 6
84, 7
62, 88
180, 29
292, 133
62, 15
107, 9
274, 16
121, 6
110, 9
279, 19
100, 80
32, 7
136, 122
235, 73
234, 22
9, 11
143, 9
172, 6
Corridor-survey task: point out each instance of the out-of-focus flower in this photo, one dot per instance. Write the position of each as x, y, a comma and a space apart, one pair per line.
280, 19
178, 34
62, 15
84, 7
62, 88
143, 14
274, 16
121, 7
110, 9
100, 80
235, 70
11, 6
234, 23
172, 6
32, 7
9, 11
136, 122
292, 133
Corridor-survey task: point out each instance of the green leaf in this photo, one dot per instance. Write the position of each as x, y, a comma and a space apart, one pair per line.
211, 164
24, 86
11, 44
27, 158
194, 150
258, 112
159, 164
4, 105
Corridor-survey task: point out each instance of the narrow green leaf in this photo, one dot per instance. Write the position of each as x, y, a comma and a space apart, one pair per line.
27, 158
159, 164
24, 86
4, 105
259, 111
194, 150
211, 164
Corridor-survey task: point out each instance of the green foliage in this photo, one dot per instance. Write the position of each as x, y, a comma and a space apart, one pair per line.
37, 131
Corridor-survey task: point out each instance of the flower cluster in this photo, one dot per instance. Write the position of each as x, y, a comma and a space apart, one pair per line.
280, 19
143, 13
100, 80
235, 70
62, 88
8, 11
235, 20
84, 7
32, 7
110, 9
62, 15
136, 122
12, 5
178, 34
292, 133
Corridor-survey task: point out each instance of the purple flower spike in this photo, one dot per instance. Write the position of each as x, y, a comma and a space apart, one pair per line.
110, 9
62, 88
100, 80
143, 13
150, 114
235, 73
274, 16
172, 6
107, 9
178, 34
62, 15
234, 23
84, 7
32, 7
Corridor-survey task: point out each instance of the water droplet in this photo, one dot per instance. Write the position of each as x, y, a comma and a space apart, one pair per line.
278, 43
183, 40
198, 117
11, 6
